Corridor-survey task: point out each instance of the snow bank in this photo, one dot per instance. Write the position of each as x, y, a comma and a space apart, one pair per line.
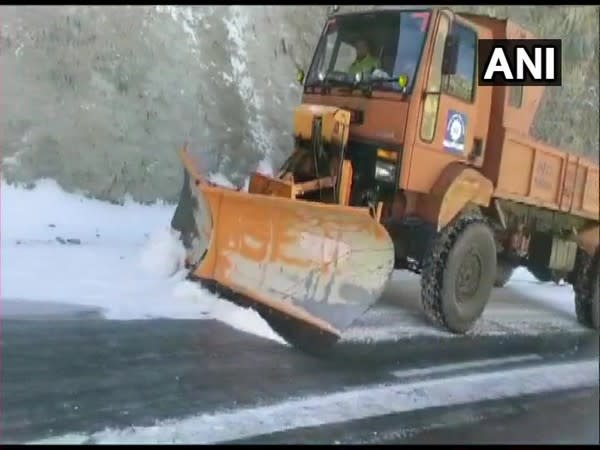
126, 260
163, 255
123, 259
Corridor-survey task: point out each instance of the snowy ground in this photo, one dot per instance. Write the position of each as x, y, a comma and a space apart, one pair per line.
125, 262
524, 306
64, 248
59, 247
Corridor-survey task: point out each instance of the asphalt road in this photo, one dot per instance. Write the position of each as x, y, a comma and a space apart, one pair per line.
71, 372
569, 417
562, 418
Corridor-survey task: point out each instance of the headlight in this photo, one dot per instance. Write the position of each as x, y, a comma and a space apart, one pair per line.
385, 171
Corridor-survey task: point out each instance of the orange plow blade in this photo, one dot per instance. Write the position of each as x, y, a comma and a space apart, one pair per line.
316, 266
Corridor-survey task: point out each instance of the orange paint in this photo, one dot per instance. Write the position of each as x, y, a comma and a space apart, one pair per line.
273, 245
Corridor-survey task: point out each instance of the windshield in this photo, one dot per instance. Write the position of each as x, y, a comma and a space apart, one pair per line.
381, 45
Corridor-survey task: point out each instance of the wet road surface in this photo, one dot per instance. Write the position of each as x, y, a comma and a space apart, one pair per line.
64, 376
569, 417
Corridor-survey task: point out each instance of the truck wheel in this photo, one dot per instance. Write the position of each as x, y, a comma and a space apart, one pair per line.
458, 274
504, 271
587, 291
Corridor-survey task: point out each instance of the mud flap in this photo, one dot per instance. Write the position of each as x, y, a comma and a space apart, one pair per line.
319, 265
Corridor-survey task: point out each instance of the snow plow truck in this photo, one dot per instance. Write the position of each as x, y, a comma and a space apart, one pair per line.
400, 161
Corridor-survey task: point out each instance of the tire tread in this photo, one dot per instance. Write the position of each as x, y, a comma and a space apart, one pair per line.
435, 262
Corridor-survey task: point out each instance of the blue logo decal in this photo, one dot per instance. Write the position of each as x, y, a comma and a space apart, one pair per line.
456, 129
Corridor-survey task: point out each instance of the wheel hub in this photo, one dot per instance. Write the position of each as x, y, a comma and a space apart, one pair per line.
468, 277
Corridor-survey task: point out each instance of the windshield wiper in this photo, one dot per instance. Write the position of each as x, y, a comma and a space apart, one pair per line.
374, 81
329, 81
365, 85
338, 82
368, 84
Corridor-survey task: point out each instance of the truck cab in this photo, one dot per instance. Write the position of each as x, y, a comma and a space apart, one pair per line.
401, 160
419, 108
425, 140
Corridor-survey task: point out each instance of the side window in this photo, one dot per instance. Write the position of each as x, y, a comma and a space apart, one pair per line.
515, 96
462, 83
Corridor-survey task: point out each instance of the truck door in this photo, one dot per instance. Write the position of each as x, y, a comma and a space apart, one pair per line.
454, 114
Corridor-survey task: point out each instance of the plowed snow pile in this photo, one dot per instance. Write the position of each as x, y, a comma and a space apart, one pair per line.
123, 259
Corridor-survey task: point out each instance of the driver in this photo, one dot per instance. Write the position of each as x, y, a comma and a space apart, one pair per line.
364, 61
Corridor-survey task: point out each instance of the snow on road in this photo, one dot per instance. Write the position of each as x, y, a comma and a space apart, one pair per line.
124, 259
347, 405
65, 248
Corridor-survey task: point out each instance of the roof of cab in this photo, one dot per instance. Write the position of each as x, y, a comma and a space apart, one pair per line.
382, 10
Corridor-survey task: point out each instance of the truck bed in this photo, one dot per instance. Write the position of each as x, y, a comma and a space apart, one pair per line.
536, 174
